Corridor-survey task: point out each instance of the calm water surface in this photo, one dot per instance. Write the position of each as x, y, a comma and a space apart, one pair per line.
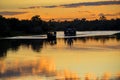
85, 58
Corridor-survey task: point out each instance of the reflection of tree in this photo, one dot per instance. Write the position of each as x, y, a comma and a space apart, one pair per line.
69, 41
14, 45
51, 41
102, 39
37, 45
83, 39
41, 67
3, 47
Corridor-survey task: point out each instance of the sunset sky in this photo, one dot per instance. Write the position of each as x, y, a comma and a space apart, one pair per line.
60, 9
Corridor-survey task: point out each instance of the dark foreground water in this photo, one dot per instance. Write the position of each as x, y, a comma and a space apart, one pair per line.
85, 58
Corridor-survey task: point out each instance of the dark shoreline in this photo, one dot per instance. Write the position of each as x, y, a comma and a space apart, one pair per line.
36, 26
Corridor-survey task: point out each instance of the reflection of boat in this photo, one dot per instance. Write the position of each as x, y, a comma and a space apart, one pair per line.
70, 32
51, 35
69, 41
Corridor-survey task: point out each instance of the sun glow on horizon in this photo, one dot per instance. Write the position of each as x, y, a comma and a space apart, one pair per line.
59, 10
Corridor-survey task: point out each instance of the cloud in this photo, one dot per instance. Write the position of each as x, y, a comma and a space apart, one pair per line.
100, 14
31, 7
35, 7
11, 13
114, 14
84, 11
72, 5
53, 6
92, 14
99, 3
43, 67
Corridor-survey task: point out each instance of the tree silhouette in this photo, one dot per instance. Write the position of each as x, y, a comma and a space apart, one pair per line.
36, 18
102, 17
14, 26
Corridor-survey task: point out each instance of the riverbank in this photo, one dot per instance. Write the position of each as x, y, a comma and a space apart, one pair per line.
60, 34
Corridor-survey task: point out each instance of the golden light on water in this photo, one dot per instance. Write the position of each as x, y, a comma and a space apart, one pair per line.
47, 68
42, 67
85, 59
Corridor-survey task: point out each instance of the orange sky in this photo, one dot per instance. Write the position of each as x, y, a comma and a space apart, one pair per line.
60, 9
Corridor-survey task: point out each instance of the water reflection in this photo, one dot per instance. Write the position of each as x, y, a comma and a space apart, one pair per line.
102, 39
15, 68
54, 54
51, 41
7, 44
45, 67
37, 44
70, 41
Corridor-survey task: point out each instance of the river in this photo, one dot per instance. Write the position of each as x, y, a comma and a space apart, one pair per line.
86, 56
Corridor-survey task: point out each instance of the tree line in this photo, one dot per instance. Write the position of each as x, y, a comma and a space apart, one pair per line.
14, 26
